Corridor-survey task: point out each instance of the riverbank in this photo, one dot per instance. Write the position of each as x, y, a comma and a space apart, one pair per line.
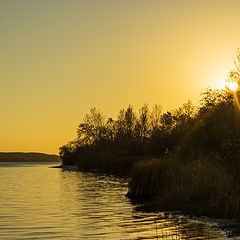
202, 187
197, 210
119, 166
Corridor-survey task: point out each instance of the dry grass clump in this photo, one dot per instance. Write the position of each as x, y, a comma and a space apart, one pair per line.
202, 183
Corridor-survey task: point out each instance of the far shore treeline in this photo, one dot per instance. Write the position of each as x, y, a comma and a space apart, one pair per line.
187, 158
28, 157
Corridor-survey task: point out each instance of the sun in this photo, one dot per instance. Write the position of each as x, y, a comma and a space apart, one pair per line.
233, 86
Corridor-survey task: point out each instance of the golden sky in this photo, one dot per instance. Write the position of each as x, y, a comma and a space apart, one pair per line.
59, 58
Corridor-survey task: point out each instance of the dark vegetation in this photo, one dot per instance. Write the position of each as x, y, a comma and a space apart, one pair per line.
187, 159
27, 157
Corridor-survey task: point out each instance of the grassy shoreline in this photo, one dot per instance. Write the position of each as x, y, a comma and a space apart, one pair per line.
198, 211
181, 206
202, 186
166, 185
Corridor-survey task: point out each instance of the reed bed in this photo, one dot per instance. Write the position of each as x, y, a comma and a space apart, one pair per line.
202, 186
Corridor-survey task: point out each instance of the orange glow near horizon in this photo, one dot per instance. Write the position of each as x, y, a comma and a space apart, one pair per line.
61, 58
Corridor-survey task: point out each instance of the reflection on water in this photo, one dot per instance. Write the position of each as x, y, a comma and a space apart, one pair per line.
38, 202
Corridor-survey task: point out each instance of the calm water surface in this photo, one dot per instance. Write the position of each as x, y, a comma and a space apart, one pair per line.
38, 202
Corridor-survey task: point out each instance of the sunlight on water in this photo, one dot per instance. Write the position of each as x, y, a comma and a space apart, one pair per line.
38, 202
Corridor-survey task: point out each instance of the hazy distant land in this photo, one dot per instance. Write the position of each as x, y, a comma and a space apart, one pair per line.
28, 157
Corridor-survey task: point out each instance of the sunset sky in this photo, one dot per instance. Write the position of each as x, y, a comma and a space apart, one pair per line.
60, 58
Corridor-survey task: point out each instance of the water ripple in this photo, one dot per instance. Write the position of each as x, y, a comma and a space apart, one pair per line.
38, 202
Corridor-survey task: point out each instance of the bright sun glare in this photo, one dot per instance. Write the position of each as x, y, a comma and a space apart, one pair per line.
231, 85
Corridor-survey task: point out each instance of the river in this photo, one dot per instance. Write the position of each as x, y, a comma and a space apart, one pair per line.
39, 202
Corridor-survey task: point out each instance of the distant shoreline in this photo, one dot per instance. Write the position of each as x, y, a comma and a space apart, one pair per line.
28, 157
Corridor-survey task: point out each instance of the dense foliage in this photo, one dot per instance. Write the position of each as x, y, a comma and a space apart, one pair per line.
102, 142
188, 131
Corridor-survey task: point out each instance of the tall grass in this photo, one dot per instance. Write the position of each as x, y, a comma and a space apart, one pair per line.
203, 185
